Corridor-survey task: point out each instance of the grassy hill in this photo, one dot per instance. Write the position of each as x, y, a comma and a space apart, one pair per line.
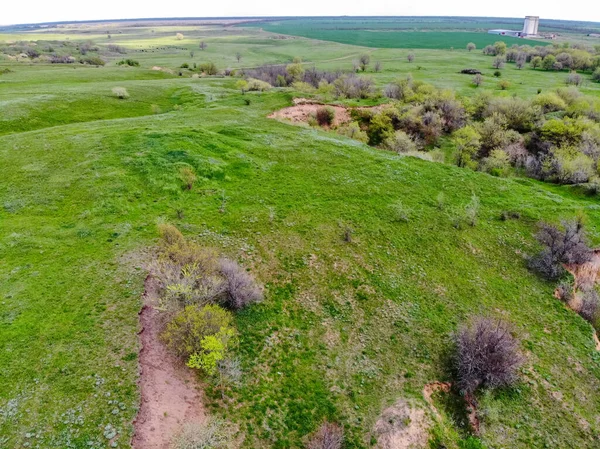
346, 328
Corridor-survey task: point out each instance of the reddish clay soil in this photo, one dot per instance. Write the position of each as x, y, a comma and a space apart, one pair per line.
170, 392
303, 108
445, 387
301, 113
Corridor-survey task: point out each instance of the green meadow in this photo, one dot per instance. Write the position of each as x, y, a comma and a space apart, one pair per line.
347, 327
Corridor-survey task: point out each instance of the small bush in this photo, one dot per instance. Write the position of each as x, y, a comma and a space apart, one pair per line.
561, 246
188, 176
179, 36
208, 68
325, 116
564, 292
487, 356
241, 289
503, 85
590, 307
211, 434
120, 92
328, 436
170, 235
129, 62
400, 142
257, 85
497, 73
472, 211
186, 333
574, 79
596, 75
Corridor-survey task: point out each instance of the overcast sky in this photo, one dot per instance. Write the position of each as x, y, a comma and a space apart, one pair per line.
35, 11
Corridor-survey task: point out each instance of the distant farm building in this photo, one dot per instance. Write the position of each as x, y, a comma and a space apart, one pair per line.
530, 28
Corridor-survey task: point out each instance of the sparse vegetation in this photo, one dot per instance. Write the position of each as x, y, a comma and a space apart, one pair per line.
120, 92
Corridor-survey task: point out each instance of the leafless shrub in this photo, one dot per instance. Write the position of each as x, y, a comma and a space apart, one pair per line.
590, 307
328, 436
116, 49
211, 434
478, 80
574, 79
364, 61
352, 86
487, 356
410, 57
377, 66
564, 291
498, 62
120, 92
241, 289
561, 246
325, 116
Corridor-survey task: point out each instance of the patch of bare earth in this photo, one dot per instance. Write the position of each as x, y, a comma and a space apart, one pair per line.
445, 387
302, 112
170, 395
402, 426
304, 108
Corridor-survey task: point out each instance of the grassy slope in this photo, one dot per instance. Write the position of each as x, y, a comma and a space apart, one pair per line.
346, 328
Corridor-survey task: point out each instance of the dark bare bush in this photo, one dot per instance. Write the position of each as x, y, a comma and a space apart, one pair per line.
241, 289
590, 307
275, 75
487, 356
116, 49
314, 77
328, 436
325, 116
352, 86
561, 246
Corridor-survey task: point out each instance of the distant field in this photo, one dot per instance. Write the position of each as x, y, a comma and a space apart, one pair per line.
389, 34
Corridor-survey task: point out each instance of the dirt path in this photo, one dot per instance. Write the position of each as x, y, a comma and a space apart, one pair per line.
170, 393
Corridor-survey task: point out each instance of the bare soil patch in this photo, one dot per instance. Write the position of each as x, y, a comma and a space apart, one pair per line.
169, 390
402, 426
446, 387
300, 113
303, 108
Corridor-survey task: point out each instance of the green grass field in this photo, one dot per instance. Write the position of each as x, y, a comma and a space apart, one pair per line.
346, 328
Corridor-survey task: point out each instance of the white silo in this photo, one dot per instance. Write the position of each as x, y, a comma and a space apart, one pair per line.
530, 27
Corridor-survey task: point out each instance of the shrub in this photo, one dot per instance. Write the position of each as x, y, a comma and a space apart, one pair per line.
257, 85
561, 246
410, 57
170, 235
549, 102
185, 65
400, 142
120, 92
478, 80
503, 85
210, 434
487, 356
596, 75
325, 116
471, 46
129, 62
209, 68
564, 291
188, 176
498, 62
116, 49
328, 436
241, 289
590, 307
497, 163
497, 73
467, 142
92, 60
179, 36
574, 79
353, 131
186, 333
472, 210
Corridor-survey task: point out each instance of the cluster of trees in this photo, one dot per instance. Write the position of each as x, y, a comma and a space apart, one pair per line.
56, 52
556, 57
337, 84
200, 291
553, 137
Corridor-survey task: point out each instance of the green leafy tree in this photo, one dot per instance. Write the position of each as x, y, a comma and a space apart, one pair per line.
213, 349
500, 48
467, 142
548, 62
536, 62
